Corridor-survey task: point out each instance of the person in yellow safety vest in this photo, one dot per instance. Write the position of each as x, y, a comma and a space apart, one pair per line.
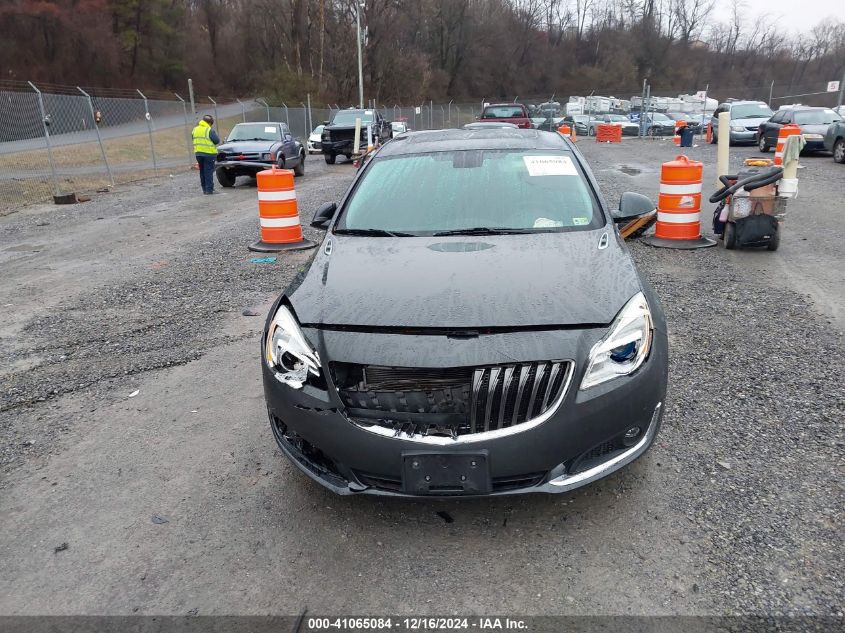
205, 149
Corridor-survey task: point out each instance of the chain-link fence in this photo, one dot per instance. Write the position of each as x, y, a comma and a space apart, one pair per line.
63, 139
60, 140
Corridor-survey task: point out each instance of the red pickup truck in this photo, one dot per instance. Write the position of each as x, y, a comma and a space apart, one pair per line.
515, 113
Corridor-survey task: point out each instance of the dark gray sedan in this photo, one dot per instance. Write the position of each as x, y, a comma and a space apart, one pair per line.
472, 324
813, 122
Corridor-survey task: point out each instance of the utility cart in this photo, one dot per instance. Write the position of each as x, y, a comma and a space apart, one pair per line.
751, 210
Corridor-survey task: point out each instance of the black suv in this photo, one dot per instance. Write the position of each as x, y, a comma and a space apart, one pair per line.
339, 134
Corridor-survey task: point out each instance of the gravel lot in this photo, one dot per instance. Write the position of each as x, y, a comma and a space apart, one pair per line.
175, 500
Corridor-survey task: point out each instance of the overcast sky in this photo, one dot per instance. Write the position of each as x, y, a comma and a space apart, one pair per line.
791, 15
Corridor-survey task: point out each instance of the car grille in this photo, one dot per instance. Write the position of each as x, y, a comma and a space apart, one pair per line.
250, 156
498, 484
752, 128
450, 402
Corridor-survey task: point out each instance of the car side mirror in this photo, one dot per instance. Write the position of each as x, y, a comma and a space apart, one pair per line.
632, 205
325, 122
324, 216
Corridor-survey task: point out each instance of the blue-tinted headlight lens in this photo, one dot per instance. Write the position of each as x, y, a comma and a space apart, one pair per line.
624, 352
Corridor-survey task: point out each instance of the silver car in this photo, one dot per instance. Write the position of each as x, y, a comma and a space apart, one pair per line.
746, 117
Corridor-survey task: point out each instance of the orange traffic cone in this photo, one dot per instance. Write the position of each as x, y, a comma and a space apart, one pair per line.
278, 213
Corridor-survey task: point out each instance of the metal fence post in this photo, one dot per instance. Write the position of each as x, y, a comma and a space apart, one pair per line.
149, 119
442, 117
266, 105
287, 116
46, 138
430, 114
310, 125
305, 116
97, 129
243, 109
216, 122
191, 95
191, 160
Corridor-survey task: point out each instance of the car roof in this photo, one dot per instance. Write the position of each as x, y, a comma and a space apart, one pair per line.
490, 138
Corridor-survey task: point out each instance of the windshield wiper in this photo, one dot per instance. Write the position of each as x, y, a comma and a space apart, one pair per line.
483, 230
372, 232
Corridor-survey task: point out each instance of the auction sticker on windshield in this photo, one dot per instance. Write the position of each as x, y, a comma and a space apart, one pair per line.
270, 129
549, 166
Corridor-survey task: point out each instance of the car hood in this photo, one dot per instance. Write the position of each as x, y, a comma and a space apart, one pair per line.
246, 146
544, 279
752, 122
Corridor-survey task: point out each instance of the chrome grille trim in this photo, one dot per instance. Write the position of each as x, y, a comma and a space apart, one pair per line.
407, 432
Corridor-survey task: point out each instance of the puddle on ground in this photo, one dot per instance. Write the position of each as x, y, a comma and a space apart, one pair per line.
631, 171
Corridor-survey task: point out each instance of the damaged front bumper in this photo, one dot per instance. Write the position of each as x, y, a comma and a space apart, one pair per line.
583, 439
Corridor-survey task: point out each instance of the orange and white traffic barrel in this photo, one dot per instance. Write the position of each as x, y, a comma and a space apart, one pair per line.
278, 213
564, 129
679, 206
786, 131
709, 135
676, 139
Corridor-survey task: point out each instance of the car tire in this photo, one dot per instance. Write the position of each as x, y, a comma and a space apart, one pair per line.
839, 151
730, 236
713, 138
280, 162
299, 170
649, 131
591, 131
762, 145
330, 158
225, 178
774, 241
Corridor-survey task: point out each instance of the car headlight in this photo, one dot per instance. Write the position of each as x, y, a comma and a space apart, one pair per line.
737, 128
267, 157
625, 347
288, 353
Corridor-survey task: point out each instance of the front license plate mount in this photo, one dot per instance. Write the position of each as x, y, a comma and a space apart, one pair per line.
425, 473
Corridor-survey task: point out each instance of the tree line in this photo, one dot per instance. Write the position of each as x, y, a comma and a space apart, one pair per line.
414, 50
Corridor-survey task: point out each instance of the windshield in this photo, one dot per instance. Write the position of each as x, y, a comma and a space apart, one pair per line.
751, 111
617, 117
657, 116
424, 194
816, 117
347, 117
317, 130
502, 112
255, 132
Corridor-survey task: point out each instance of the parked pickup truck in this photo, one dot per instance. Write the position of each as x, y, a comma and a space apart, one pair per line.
339, 134
253, 147
515, 113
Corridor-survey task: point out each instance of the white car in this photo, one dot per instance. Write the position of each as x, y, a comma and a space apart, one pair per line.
313, 144
399, 127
